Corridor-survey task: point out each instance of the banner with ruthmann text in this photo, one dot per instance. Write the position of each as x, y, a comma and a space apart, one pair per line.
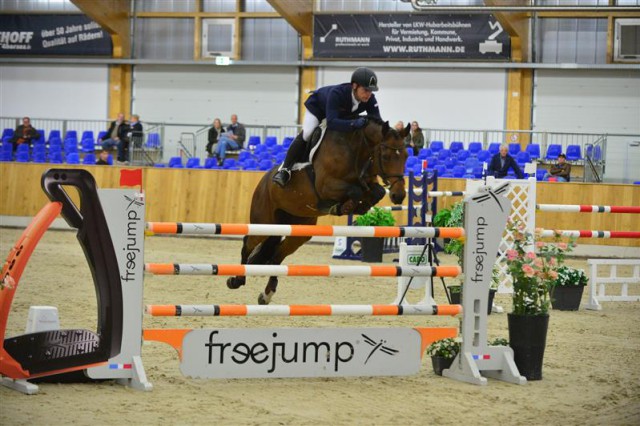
410, 36
60, 35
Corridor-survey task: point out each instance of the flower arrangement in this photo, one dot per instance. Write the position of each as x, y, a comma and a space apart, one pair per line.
377, 216
570, 277
533, 266
446, 348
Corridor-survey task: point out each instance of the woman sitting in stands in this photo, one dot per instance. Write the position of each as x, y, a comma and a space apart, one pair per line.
214, 135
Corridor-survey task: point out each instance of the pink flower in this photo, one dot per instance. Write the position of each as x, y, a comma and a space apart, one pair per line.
552, 261
553, 274
538, 263
528, 271
540, 244
530, 255
511, 254
562, 246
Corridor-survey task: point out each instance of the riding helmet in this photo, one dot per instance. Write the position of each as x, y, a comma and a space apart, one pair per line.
366, 78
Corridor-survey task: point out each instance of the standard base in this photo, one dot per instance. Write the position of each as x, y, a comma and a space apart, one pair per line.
20, 385
500, 365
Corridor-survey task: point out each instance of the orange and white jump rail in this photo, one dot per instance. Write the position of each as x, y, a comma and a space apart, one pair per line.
185, 228
590, 234
299, 310
302, 270
581, 208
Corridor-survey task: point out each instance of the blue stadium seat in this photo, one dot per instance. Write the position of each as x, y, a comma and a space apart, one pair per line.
250, 164
597, 153
253, 141
411, 161
22, 157
259, 149
193, 163
40, 140
458, 171
574, 153
23, 148
88, 145
424, 153
153, 141
230, 164
494, 148
443, 154
533, 149
475, 148
88, 134
89, 159
522, 158
436, 146
175, 162
7, 133
244, 156
286, 142
456, 146
265, 165
462, 155
270, 141
54, 134
514, 149
540, 174
72, 158
101, 136
553, 150
450, 163
211, 163
71, 134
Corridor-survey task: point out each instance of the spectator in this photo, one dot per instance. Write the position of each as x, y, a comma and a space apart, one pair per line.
115, 134
24, 133
133, 134
501, 162
399, 125
103, 158
415, 139
340, 105
561, 170
232, 139
214, 135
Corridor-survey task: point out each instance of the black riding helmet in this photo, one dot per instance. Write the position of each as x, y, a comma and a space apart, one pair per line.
366, 78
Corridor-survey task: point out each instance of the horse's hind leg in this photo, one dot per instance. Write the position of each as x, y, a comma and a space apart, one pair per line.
249, 243
288, 246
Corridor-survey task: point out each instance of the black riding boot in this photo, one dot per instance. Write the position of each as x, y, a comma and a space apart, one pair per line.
295, 152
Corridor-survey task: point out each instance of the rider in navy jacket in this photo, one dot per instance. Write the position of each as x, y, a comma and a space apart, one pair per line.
340, 105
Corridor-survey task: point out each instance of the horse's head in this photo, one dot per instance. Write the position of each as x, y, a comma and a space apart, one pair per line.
390, 156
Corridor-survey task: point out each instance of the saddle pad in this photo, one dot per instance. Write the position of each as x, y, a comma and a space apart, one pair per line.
312, 153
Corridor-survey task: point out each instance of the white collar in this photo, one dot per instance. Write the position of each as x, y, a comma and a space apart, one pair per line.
354, 102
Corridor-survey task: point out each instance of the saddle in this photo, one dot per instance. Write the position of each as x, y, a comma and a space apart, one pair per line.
312, 147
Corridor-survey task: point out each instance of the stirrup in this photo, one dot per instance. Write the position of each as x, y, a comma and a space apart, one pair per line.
282, 177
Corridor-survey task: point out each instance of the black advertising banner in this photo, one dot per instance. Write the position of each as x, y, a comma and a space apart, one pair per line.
61, 35
410, 36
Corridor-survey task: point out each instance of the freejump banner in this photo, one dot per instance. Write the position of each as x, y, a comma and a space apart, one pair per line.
60, 35
410, 36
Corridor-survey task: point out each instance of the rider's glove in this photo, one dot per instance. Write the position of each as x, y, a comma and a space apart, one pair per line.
359, 123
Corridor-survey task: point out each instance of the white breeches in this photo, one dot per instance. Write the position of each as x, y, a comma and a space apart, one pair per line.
309, 125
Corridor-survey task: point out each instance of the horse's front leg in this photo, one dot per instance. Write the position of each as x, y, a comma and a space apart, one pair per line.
354, 196
371, 198
284, 249
249, 243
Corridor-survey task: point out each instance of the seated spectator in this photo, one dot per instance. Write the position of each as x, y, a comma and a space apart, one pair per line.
232, 139
116, 132
502, 162
415, 139
561, 170
135, 135
24, 133
103, 158
399, 125
215, 132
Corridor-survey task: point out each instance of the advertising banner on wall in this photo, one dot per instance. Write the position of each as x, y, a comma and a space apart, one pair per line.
410, 36
60, 35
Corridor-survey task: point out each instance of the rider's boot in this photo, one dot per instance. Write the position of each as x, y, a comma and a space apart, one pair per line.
295, 152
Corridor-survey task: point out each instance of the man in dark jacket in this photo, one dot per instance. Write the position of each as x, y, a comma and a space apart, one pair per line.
133, 134
233, 139
116, 132
501, 162
339, 104
24, 133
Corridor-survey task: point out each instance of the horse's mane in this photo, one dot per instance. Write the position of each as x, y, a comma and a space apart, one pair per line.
375, 119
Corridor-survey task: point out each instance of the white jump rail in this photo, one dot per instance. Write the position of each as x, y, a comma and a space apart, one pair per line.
597, 284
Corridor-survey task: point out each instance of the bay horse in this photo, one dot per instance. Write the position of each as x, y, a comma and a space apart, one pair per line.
342, 179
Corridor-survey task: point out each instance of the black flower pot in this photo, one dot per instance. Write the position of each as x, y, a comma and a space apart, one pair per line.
566, 298
528, 338
440, 363
372, 249
455, 292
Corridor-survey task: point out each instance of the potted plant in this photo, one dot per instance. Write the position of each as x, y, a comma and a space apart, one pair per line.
566, 290
532, 266
372, 248
442, 353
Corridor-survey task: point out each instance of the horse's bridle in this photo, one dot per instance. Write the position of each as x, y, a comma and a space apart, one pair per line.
385, 177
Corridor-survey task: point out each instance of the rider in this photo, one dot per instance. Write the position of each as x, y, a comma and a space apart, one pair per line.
338, 104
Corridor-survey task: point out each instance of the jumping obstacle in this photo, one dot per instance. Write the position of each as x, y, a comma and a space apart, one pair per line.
269, 352
301, 270
523, 195
597, 292
579, 208
298, 310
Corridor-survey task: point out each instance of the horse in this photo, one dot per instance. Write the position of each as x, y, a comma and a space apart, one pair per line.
342, 179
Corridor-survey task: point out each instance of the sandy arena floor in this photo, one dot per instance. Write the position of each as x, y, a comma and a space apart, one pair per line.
591, 369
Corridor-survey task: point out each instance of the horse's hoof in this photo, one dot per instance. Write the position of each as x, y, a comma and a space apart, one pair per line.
263, 300
234, 283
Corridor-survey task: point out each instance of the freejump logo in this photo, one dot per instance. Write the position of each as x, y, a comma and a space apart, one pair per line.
131, 247
307, 352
